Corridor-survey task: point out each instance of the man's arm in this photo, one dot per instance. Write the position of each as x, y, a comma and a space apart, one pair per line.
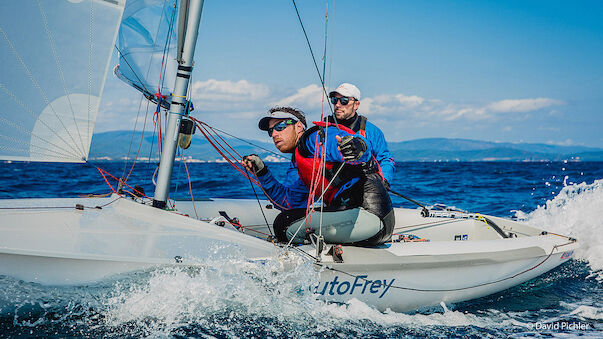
381, 152
333, 152
292, 193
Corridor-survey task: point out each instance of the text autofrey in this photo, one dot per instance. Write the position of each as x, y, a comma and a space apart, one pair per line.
360, 285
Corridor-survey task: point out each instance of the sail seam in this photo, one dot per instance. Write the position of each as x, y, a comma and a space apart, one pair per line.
89, 141
28, 110
22, 129
37, 86
61, 73
29, 150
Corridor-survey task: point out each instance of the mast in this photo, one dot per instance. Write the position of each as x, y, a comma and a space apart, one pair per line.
189, 20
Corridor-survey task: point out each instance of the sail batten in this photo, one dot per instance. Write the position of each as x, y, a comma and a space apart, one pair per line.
55, 57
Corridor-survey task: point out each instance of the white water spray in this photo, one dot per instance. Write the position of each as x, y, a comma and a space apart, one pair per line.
576, 211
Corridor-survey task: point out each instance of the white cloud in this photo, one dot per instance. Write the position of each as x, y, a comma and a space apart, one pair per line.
523, 105
225, 90
309, 97
390, 102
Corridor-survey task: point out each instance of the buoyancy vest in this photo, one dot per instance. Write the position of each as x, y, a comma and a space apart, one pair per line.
309, 167
359, 124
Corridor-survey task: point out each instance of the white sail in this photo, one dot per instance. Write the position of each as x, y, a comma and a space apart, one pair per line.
146, 42
54, 60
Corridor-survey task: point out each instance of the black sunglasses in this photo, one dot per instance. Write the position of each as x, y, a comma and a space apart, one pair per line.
344, 100
281, 126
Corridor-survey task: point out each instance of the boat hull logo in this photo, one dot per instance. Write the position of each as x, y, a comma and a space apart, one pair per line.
361, 285
566, 255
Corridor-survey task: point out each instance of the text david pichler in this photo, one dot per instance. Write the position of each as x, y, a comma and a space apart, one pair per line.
562, 325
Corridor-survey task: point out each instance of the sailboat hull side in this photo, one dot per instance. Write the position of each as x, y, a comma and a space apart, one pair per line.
63, 271
119, 237
425, 280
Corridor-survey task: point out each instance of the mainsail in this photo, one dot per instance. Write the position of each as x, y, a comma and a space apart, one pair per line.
147, 48
54, 60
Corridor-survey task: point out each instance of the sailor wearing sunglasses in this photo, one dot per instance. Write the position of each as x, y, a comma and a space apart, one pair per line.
357, 210
284, 125
346, 100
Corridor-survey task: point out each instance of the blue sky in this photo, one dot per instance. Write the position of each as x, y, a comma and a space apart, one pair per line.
511, 71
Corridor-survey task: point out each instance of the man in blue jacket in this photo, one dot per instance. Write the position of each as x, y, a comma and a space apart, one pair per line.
285, 125
358, 209
346, 100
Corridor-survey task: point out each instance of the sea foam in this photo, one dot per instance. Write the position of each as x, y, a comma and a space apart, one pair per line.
576, 211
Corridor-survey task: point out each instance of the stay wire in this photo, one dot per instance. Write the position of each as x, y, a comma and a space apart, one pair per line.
243, 140
259, 205
320, 77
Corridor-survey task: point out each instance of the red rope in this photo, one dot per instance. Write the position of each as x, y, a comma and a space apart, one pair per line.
103, 172
208, 133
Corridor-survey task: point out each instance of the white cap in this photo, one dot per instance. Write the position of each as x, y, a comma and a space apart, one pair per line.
347, 90
263, 124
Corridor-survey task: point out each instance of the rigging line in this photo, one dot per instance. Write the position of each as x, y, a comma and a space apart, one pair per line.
90, 44
312, 54
259, 204
324, 55
320, 199
42, 93
166, 47
429, 224
60, 69
61, 207
235, 159
245, 141
409, 199
123, 57
190, 188
231, 162
35, 117
132, 139
324, 65
141, 100
206, 133
103, 172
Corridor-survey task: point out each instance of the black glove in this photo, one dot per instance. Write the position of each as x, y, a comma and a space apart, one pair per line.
352, 148
253, 163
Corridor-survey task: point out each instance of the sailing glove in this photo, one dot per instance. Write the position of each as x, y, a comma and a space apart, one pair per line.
352, 148
253, 163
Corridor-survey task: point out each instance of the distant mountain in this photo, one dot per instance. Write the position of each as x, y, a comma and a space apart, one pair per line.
115, 145
443, 149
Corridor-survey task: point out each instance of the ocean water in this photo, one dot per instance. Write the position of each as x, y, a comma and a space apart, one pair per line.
228, 298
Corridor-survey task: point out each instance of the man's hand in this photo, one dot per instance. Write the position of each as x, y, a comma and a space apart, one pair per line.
352, 148
254, 164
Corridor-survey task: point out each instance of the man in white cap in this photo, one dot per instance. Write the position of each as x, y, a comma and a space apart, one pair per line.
346, 100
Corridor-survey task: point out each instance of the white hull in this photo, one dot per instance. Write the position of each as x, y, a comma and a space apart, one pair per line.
413, 275
70, 246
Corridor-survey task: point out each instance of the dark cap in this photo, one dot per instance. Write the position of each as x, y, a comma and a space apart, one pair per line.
282, 113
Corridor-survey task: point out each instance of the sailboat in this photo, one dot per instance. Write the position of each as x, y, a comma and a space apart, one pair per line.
51, 82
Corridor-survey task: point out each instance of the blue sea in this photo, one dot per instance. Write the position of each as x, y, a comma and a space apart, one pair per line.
563, 197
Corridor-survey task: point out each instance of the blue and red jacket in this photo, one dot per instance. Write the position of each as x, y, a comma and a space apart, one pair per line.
374, 136
320, 139
293, 191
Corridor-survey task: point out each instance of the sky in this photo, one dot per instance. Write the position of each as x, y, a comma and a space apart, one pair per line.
503, 71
